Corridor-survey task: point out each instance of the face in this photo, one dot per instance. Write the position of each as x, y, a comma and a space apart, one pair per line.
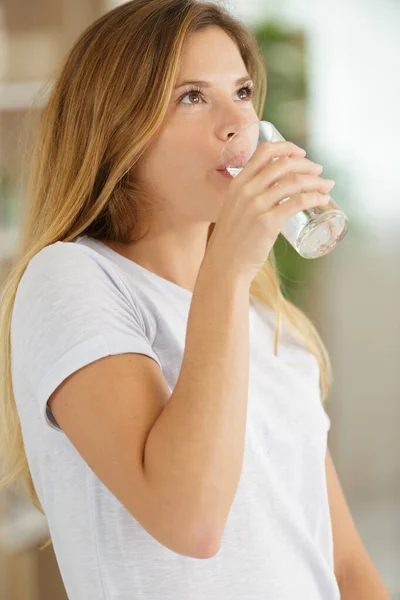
182, 164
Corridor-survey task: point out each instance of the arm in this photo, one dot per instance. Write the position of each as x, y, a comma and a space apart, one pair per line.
194, 452
173, 460
356, 574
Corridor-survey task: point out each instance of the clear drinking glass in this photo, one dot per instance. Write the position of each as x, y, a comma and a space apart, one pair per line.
312, 232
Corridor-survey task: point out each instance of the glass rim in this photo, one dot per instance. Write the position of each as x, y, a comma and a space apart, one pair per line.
237, 133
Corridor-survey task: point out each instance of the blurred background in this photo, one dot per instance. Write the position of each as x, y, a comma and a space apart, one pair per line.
333, 69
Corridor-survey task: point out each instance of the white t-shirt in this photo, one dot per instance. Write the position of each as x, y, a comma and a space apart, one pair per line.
80, 301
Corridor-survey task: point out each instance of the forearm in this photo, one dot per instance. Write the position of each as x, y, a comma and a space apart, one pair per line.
361, 581
194, 452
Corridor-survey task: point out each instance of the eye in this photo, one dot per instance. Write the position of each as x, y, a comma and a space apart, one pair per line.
249, 89
191, 92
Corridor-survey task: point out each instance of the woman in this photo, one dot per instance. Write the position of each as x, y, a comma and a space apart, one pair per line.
145, 408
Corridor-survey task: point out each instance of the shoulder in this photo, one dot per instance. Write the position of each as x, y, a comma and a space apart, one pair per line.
68, 264
66, 254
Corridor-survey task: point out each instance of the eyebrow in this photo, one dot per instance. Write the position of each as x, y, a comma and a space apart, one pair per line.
206, 84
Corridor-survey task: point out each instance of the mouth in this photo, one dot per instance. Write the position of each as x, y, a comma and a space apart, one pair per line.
237, 162
225, 173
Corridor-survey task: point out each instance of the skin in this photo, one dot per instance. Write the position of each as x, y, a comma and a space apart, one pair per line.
182, 168
182, 163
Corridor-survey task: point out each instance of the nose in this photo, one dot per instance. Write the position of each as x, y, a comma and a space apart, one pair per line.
230, 127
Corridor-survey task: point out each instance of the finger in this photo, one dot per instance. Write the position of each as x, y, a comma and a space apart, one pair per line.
303, 201
296, 184
278, 170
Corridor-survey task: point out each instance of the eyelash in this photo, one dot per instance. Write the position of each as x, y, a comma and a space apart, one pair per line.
249, 88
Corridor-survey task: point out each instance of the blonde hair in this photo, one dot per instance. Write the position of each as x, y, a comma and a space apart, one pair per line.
105, 109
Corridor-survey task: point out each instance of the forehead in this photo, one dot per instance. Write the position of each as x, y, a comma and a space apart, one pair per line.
211, 54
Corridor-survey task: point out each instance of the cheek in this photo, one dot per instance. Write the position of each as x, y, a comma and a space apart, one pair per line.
178, 164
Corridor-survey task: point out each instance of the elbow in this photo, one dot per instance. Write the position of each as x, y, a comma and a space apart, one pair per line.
208, 542
196, 548
195, 543
191, 541
207, 549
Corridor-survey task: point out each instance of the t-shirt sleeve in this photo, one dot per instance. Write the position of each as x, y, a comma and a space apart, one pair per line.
71, 308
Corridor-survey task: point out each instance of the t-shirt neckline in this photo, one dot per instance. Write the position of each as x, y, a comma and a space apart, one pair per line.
129, 263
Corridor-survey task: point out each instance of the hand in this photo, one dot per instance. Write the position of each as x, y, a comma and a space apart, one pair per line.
252, 216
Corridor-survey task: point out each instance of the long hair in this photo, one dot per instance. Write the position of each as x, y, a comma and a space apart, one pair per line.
108, 102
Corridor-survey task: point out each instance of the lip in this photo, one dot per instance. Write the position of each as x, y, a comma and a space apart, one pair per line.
238, 161
225, 173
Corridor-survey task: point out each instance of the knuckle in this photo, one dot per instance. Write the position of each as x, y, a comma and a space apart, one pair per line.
294, 181
266, 150
297, 179
259, 203
246, 193
313, 197
281, 167
300, 199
